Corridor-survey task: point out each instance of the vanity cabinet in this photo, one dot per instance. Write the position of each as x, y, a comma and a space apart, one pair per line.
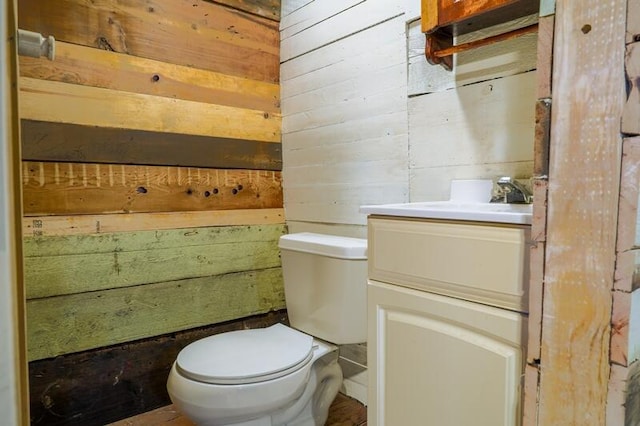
447, 322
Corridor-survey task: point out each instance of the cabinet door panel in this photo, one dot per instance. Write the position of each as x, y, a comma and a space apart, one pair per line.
440, 361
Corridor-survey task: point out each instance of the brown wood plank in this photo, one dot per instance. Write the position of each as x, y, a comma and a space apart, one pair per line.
269, 9
63, 142
72, 188
193, 33
46, 226
584, 178
541, 139
110, 70
43, 100
105, 385
544, 63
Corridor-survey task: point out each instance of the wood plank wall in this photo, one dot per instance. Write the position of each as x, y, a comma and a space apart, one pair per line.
154, 116
476, 121
580, 284
151, 175
344, 133
152, 190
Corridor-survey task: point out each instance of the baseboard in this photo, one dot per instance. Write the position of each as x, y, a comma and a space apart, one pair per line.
354, 387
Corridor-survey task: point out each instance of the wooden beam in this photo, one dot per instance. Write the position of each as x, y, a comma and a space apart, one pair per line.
108, 384
110, 70
541, 139
269, 9
46, 226
62, 265
57, 102
43, 141
71, 188
78, 322
584, 178
194, 33
544, 63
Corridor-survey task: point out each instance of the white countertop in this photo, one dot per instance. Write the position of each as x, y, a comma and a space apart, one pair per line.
451, 210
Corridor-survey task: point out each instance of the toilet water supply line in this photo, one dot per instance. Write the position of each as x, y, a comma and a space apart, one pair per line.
36, 45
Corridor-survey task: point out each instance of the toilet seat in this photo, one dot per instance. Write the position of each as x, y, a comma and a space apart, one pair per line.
246, 356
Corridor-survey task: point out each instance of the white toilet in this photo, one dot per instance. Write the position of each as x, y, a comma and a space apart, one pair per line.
279, 375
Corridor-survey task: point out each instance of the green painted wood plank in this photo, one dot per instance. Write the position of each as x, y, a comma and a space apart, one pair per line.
59, 265
72, 323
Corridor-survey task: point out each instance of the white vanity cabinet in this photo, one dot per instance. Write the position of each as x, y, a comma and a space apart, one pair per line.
447, 322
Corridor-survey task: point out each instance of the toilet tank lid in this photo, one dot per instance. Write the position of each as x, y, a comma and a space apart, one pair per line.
325, 245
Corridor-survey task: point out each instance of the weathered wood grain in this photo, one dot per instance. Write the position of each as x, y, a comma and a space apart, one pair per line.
111, 70
345, 134
631, 115
544, 63
72, 188
342, 24
83, 263
73, 323
629, 196
43, 100
103, 385
616, 398
41, 226
632, 400
620, 321
541, 138
269, 9
195, 33
61, 142
530, 397
581, 239
633, 22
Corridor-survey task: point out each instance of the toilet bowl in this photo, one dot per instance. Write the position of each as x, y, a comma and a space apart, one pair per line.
279, 375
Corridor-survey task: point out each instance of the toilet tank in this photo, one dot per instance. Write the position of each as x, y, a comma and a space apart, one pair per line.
325, 285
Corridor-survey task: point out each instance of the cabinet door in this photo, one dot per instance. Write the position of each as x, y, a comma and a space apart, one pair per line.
439, 361
472, 261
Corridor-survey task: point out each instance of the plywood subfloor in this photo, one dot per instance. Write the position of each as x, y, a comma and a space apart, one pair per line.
344, 411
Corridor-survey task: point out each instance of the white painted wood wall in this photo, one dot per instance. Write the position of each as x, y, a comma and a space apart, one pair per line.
367, 121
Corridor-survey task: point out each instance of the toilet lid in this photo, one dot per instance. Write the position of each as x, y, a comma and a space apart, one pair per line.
246, 356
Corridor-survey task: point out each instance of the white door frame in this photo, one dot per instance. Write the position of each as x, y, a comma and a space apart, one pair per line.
14, 399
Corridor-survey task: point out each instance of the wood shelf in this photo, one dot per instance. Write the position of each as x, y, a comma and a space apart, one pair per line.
443, 20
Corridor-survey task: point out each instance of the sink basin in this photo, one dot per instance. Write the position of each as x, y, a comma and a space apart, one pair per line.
482, 212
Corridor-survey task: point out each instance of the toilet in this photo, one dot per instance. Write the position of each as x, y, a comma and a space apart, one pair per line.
282, 375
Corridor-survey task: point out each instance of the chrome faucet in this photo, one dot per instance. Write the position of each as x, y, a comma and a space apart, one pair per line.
511, 191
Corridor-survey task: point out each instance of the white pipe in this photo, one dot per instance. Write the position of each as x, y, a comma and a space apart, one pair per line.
35, 45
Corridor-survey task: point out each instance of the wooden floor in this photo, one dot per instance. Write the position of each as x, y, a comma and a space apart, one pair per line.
344, 411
